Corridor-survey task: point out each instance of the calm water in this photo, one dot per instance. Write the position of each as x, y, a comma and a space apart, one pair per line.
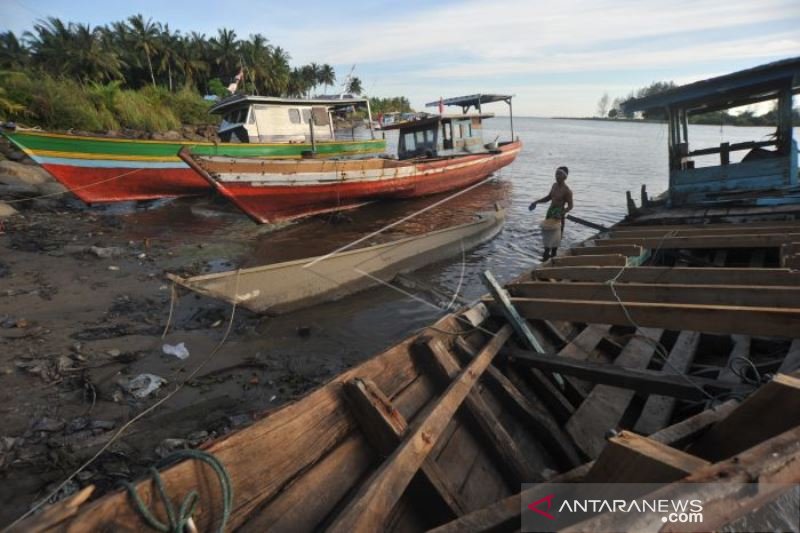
605, 160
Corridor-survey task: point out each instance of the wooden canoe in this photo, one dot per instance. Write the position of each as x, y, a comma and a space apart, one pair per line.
291, 285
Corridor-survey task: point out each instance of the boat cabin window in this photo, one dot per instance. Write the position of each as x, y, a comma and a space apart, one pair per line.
294, 116
306, 116
421, 142
237, 115
447, 135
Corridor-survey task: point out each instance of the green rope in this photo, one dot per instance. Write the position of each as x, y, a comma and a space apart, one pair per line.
177, 523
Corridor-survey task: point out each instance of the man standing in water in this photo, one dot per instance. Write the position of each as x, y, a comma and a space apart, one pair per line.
560, 198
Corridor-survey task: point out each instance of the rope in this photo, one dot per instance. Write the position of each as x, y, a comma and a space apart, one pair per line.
133, 420
173, 295
176, 523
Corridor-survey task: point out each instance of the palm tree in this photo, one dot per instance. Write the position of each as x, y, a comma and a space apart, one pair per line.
168, 49
144, 36
189, 56
327, 76
49, 43
87, 58
354, 87
256, 54
225, 50
13, 55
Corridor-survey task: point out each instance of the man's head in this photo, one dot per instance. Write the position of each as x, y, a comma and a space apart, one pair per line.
561, 174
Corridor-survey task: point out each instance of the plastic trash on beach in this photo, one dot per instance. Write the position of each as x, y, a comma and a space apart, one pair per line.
179, 350
144, 385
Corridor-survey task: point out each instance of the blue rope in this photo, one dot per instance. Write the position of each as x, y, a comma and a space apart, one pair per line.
176, 523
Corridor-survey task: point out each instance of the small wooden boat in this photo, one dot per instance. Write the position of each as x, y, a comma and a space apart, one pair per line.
663, 350
436, 154
291, 285
105, 169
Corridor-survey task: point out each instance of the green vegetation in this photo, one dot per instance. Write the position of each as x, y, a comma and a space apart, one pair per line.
139, 74
398, 104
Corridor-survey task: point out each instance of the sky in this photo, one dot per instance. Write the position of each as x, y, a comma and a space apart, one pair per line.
557, 57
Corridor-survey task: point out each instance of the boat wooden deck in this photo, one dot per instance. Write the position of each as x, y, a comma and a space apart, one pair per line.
672, 345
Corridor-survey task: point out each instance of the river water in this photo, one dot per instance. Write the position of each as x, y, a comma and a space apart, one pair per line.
605, 160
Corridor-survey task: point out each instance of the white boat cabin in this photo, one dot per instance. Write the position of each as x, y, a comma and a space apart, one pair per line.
268, 119
441, 136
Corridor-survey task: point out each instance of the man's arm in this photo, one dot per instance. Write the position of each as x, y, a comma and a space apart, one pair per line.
568, 205
540, 200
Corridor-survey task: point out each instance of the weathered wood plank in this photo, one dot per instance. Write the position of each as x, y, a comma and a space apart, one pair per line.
722, 487
657, 410
642, 381
379, 494
630, 458
605, 405
589, 260
384, 428
760, 321
739, 295
512, 461
628, 250
581, 348
677, 275
792, 360
519, 325
769, 240
729, 229
546, 391
505, 514
741, 348
771, 410
558, 443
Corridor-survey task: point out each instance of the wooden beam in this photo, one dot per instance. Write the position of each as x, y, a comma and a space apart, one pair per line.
728, 229
630, 458
739, 295
771, 410
504, 515
517, 322
581, 348
512, 461
792, 360
759, 321
628, 250
741, 348
384, 427
725, 488
378, 495
712, 241
537, 418
550, 395
710, 227
589, 260
604, 407
657, 410
642, 381
678, 275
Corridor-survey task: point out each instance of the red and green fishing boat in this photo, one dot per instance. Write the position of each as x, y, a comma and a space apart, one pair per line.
106, 169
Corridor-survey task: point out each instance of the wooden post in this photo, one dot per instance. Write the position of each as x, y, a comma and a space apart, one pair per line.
380, 493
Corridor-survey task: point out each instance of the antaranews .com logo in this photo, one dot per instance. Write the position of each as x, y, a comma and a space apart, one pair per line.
601, 507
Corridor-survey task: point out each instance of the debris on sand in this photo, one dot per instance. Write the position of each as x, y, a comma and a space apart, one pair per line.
143, 385
179, 350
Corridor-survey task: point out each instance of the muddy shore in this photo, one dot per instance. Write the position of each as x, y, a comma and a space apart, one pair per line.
83, 305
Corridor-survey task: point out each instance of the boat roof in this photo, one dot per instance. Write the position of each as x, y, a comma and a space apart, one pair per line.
752, 85
472, 100
435, 119
238, 100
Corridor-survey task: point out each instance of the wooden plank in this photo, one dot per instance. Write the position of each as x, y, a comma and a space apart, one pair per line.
631, 458
512, 461
740, 228
741, 348
550, 395
588, 260
504, 515
517, 322
657, 410
773, 464
759, 321
712, 241
771, 410
384, 428
677, 275
558, 443
605, 405
728, 229
792, 360
628, 250
581, 348
642, 381
739, 295
379, 494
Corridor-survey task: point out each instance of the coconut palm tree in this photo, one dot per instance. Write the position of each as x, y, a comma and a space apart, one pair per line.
327, 76
144, 36
13, 55
354, 87
88, 59
225, 51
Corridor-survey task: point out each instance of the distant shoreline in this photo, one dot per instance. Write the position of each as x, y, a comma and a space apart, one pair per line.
604, 119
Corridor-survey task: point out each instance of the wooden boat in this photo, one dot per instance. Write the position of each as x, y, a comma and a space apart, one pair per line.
436, 154
681, 334
104, 169
292, 285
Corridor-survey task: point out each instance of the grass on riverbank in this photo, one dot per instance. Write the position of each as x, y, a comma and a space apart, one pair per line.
63, 104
